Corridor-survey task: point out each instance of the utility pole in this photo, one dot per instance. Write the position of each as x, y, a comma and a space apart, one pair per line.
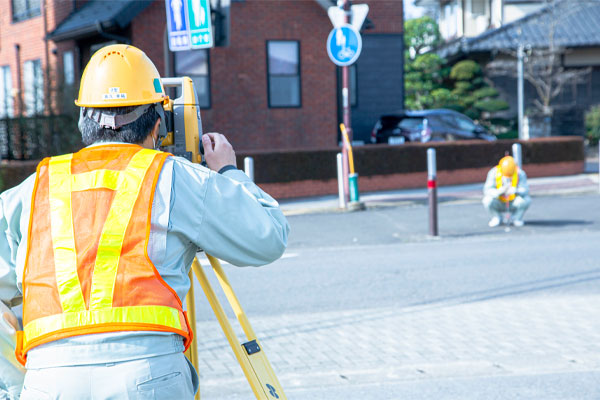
345, 5
520, 90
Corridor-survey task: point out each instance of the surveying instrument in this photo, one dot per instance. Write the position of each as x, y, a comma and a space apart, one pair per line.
184, 132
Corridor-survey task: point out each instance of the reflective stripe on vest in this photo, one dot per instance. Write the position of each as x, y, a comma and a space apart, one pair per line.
514, 183
99, 315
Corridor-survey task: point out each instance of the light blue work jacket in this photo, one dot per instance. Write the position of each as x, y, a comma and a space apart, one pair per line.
226, 215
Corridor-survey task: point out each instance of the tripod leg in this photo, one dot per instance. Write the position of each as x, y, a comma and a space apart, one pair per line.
250, 356
192, 351
232, 298
228, 331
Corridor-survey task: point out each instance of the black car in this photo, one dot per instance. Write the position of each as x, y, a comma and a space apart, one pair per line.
426, 126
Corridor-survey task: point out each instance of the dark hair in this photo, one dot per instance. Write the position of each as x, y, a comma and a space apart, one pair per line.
134, 132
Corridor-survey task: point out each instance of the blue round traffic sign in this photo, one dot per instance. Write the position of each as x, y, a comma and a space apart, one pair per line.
344, 45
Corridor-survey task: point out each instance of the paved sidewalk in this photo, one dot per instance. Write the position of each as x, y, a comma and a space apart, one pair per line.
560, 185
434, 341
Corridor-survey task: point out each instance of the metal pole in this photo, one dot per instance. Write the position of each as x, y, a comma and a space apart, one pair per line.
249, 167
346, 104
517, 154
432, 192
340, 177
520, 90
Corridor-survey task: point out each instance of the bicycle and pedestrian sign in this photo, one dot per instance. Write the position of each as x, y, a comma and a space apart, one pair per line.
189, 24
344, 45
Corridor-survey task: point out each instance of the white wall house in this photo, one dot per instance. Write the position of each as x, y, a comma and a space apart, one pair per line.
468, 18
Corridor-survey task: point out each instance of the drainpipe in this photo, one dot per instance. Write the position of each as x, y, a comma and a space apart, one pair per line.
47, 96
118, 38
19, 80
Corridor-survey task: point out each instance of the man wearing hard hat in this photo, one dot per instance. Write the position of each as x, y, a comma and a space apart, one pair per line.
98, 244
506, 191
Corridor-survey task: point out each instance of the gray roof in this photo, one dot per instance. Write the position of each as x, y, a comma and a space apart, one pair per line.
110, 14
577, 25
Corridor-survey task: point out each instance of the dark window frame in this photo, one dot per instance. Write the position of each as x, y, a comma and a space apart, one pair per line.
208, 77
299, 73
29, 11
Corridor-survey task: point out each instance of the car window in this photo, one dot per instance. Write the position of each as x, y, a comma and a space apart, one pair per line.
389, 122
411, 123
464, 124
448, 121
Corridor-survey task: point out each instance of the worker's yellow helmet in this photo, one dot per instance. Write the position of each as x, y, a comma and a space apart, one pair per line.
508, 166
120, 75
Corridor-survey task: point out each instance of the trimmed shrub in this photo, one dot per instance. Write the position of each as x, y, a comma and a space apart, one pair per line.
592, 124
382, 159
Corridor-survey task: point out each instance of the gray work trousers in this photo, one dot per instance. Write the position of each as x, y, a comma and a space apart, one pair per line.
516, 208
166, 377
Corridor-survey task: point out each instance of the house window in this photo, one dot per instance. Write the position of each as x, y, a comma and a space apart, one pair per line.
195, 64
6, 99
283, 69
34, 87
450, 20
68, 68
478, 7
25, 9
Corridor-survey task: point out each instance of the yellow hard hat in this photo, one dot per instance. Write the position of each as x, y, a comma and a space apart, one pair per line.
120, 75
508, 166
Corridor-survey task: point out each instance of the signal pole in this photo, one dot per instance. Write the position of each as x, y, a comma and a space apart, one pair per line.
345, 5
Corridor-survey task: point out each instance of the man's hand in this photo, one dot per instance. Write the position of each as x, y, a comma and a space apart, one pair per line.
511, 190
217, 151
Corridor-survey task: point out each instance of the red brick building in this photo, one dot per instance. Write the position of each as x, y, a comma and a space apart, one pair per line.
272, 87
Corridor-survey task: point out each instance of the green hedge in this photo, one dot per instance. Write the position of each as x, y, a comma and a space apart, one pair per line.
370, 160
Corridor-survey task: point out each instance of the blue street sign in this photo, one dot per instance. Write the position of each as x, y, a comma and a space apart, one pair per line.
200, 23
177, 24
344, 45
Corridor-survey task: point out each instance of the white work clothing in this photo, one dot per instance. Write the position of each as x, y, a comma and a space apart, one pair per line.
516, 207
11, 372
162, 377
194, 208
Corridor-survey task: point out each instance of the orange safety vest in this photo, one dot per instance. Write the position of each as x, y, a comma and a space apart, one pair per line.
514, 183
87, 268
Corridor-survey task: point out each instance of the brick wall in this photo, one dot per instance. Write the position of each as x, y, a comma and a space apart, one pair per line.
239, 78
29, 35
238, 73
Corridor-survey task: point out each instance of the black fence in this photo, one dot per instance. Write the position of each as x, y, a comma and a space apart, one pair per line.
33, 138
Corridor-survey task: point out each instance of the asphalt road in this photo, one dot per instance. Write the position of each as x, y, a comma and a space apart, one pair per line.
472, 281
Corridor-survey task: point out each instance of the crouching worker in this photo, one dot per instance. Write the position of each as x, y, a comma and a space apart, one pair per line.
98, 244
506, 191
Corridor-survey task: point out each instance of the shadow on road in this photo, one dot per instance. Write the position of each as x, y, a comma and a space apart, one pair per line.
512, 290
320, 324
557, 223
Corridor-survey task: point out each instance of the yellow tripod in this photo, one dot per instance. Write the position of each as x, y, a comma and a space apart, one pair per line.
184, 127
250, 354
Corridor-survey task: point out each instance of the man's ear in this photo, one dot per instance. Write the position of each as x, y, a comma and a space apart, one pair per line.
154, 131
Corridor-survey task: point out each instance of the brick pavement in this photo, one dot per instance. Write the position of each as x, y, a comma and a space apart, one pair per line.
497, 333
